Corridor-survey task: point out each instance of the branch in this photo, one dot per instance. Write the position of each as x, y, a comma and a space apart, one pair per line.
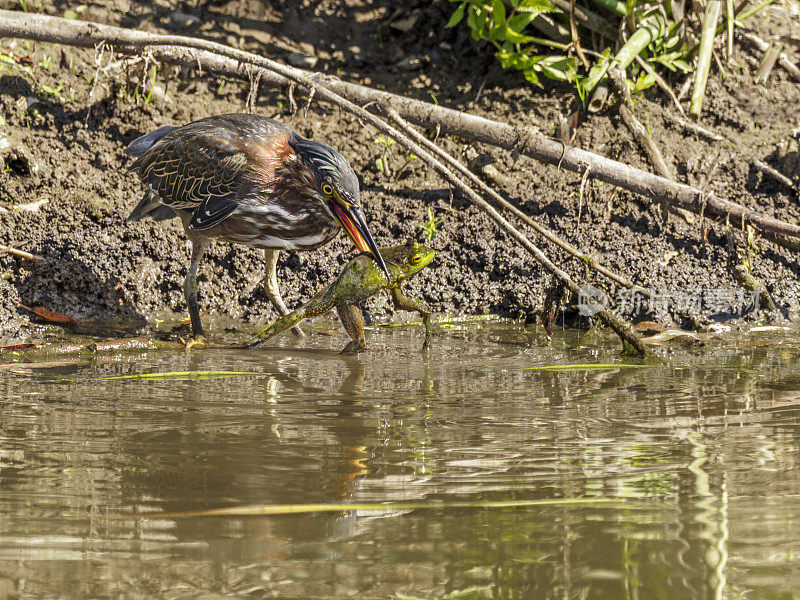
524, 140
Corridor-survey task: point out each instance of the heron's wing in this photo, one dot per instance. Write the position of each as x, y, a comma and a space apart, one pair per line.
198, 166
210, 212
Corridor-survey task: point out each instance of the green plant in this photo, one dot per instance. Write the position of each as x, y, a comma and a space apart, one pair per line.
52, 91
574, 40
148, 97
382, 162
429, 228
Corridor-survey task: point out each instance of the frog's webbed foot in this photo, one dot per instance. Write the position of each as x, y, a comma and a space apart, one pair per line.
353, 321
279, 326
199, 342
406, 303
351, 348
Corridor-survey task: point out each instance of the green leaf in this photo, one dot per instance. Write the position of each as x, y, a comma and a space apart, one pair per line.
457, 16
520, 21
537, 6
530, 76
499, 13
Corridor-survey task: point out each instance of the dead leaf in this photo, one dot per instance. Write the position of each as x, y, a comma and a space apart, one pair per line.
15, 347
649, 327
51, 317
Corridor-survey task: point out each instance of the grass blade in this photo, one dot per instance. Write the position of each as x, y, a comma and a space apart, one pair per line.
707, 36
299, 509
581, 367
172, 376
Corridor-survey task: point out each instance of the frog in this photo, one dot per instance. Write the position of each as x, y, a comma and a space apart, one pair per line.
361, 278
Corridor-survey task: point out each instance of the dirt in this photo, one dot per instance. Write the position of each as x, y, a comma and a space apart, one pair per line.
67, 191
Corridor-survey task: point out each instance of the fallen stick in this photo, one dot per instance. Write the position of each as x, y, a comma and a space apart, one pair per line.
694, 127
20, 253
193, 52
619, 82
774, 173
137, 344
763, 46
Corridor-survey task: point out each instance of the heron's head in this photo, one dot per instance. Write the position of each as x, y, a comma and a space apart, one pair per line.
335, 185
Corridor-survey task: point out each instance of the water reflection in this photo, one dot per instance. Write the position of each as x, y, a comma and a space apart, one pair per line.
704, 446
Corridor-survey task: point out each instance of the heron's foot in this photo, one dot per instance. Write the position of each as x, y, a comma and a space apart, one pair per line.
255, 343
352, 348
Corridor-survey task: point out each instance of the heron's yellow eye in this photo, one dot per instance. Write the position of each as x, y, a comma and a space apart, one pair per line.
327, 189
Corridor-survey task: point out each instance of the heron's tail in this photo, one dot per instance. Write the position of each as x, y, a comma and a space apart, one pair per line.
150, 206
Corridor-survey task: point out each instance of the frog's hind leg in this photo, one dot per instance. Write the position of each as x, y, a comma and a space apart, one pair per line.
406, 303
353, 320
279, 326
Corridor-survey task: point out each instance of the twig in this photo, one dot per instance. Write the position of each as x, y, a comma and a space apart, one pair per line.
774, 173
617, 76
730, 16
20, 253
491, 193
573, 32
763, 46
713, 8
768, 62
584, 179
687, 84
524, 140
694, 128
587, 18
660, 83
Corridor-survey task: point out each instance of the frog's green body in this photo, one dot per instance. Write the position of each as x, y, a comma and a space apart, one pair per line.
361, 278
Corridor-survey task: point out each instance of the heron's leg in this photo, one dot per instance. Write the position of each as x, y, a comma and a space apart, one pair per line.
271, 286
353, 321
199, 247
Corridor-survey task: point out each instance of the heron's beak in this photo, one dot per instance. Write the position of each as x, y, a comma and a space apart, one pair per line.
352, 221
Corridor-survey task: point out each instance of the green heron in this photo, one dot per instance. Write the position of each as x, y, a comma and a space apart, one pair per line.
250, 180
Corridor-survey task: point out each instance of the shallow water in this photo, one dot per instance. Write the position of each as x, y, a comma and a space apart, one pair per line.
696, 456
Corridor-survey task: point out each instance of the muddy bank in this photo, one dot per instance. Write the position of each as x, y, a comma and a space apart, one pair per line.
66, 196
